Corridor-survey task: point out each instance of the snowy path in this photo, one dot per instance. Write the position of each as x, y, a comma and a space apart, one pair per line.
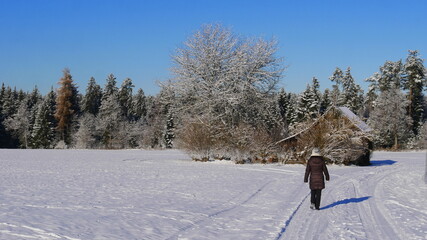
367, 204
77, 194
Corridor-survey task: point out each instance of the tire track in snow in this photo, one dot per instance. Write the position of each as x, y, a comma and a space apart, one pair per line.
216, 213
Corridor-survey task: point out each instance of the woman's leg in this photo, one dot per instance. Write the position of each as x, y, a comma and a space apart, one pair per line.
313, 199
313, 196
317, 198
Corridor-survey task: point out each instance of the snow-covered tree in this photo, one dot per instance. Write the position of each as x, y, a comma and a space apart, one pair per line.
19, 124
125, 97
110, 115
87, 136
155, 123
169, 134
291, 114
352, 94
43, 131
139, 106
10, 103
309, 102
414, 81
218, 77
337, 77
92, 98
110, 87
304, 102
284, 106
325, 102
110, 121
389, 119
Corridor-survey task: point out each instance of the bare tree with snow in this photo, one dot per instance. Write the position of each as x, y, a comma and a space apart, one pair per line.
222, 80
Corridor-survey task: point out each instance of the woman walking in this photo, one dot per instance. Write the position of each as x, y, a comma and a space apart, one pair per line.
317, 171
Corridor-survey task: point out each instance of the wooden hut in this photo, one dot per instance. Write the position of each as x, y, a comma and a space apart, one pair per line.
342, 137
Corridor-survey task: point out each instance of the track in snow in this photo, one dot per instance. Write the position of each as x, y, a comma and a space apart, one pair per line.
353, 208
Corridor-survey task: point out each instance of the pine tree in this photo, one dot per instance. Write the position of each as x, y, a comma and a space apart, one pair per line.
388, 78
19, 125
9, 102
87, 136
325, 102
92, 98
283, 103
316, 96
67, 107
139, 106
125, 97
352, 94
291, 114
4, 135
305, 104
336, 77
414, 81
110, 87
43, 132
111, 118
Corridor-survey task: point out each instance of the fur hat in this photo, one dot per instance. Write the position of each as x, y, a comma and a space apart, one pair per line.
315, 152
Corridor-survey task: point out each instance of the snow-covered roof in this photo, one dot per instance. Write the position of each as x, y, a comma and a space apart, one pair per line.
346, 112
355, 119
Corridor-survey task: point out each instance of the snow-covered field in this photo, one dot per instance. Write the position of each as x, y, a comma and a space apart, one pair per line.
82, 194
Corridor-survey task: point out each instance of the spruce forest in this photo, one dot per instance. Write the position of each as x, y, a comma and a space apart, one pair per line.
223, 100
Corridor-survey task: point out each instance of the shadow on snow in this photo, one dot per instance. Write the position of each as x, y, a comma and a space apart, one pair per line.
345, 201
382, 162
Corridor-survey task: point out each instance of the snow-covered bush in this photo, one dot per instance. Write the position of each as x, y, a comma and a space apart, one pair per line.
61, 145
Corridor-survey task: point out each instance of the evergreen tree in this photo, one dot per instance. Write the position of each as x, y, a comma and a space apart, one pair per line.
291, 114
414, 81
305, 104
336, 77
309, 103
110, 87
9, 102
111, 118
125, 97
283, 103
316, 85
139, 106
92, 98
352, 94
325, 102
19, 125
4, 135
67, 107
388, 78
43, 132
87, 136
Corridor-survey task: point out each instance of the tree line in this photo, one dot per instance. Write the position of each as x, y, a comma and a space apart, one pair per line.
223, 100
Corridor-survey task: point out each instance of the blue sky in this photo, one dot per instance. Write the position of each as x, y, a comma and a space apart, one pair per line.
39, 38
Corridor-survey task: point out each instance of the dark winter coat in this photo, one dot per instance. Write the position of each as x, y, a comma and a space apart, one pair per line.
317, 170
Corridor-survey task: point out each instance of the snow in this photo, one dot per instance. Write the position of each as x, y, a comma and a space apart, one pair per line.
355, 119
137, 194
